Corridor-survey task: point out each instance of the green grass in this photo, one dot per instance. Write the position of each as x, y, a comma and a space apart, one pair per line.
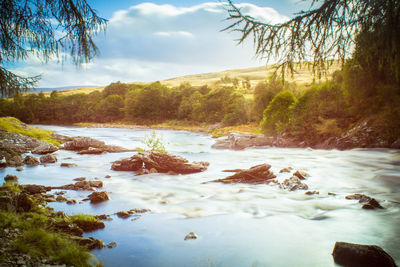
14, 125
80, 217
41, 243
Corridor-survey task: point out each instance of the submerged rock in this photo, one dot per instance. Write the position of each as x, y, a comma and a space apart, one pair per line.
81, 185
68, 165
161, 162
239, 141
356, 255
191, 235
258, 174
294, 183
288, 169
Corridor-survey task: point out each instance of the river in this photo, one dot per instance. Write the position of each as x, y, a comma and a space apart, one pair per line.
236, 224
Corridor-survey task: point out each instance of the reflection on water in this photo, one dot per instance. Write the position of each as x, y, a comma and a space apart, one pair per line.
237, 225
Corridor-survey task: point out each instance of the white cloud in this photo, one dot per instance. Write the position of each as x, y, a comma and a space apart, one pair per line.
149, 42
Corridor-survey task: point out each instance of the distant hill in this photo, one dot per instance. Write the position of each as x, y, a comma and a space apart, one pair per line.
253, 75
51, 89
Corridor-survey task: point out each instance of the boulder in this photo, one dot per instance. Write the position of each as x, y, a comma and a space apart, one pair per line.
161, 162
20, 169
259, 174
112, 244
11, 178
48, 158
294, 183
31, 161
357, 255
239, 141
44, 148
97, 197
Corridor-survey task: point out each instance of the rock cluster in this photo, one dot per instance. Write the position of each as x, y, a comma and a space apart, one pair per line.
160, 162
239, 141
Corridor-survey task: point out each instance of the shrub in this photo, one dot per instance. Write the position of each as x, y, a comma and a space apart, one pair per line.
276, 115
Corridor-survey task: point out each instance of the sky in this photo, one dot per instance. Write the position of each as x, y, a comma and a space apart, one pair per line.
157, 40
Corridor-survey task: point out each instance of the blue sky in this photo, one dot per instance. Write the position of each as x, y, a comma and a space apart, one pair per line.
159, 39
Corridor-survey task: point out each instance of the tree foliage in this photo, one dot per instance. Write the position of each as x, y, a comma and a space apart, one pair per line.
44, 29
326, 31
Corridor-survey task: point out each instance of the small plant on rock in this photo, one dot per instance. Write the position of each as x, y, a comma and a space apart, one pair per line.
153, 143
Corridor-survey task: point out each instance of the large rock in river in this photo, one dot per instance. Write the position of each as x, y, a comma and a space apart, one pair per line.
356, 255
258, 174
87, 145
162, 162
240, 141
44, 148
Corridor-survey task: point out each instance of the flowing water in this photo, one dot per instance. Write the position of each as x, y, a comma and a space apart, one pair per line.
236, 224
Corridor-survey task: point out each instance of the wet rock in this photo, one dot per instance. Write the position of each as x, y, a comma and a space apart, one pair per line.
357, 255
31, 161
81, 185
89, 226
285, 139
80, 179
97, 197
396, 144
102, 217
112, 244
71, 201
258, 174
60, 192
107, 176
44, 148
288, 169
15, 161
191, 235
48, 158
133, 211
61, 198
369, 203
301, 174
87, 145
33, 189
68, 165
123, 214
11, 178
65, 227
239, 141
331, 194
81, 143
20, 169
312, 193
92, 150
90, 243
294, 183
162, 162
